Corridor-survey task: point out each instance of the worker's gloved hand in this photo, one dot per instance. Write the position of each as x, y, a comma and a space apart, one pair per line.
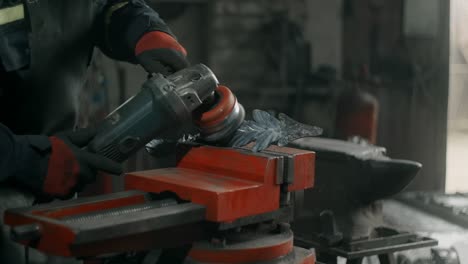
159, 52
70, 167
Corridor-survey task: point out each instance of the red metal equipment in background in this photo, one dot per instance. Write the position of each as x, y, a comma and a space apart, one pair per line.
357, 114
232, 205
358, 110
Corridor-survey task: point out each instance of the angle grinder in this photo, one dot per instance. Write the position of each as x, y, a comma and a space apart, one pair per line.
166, 105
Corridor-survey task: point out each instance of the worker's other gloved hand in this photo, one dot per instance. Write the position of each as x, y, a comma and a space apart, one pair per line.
70, 167
159, 52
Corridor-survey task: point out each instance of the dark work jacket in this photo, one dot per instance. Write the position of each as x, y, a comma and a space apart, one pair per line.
43, 63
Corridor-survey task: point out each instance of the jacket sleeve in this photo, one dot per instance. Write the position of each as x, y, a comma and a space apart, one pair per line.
23, 159
121, 23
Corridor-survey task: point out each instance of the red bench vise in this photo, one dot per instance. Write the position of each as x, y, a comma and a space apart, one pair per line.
232, 205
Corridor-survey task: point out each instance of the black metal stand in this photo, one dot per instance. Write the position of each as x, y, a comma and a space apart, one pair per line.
384, 246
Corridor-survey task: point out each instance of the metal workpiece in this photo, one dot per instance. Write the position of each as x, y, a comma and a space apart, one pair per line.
163, 106
266, 129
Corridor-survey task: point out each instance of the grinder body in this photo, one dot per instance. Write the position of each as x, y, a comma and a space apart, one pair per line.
164, 105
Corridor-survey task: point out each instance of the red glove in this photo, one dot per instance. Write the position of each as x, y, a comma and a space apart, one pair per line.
70, 167
159, 52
